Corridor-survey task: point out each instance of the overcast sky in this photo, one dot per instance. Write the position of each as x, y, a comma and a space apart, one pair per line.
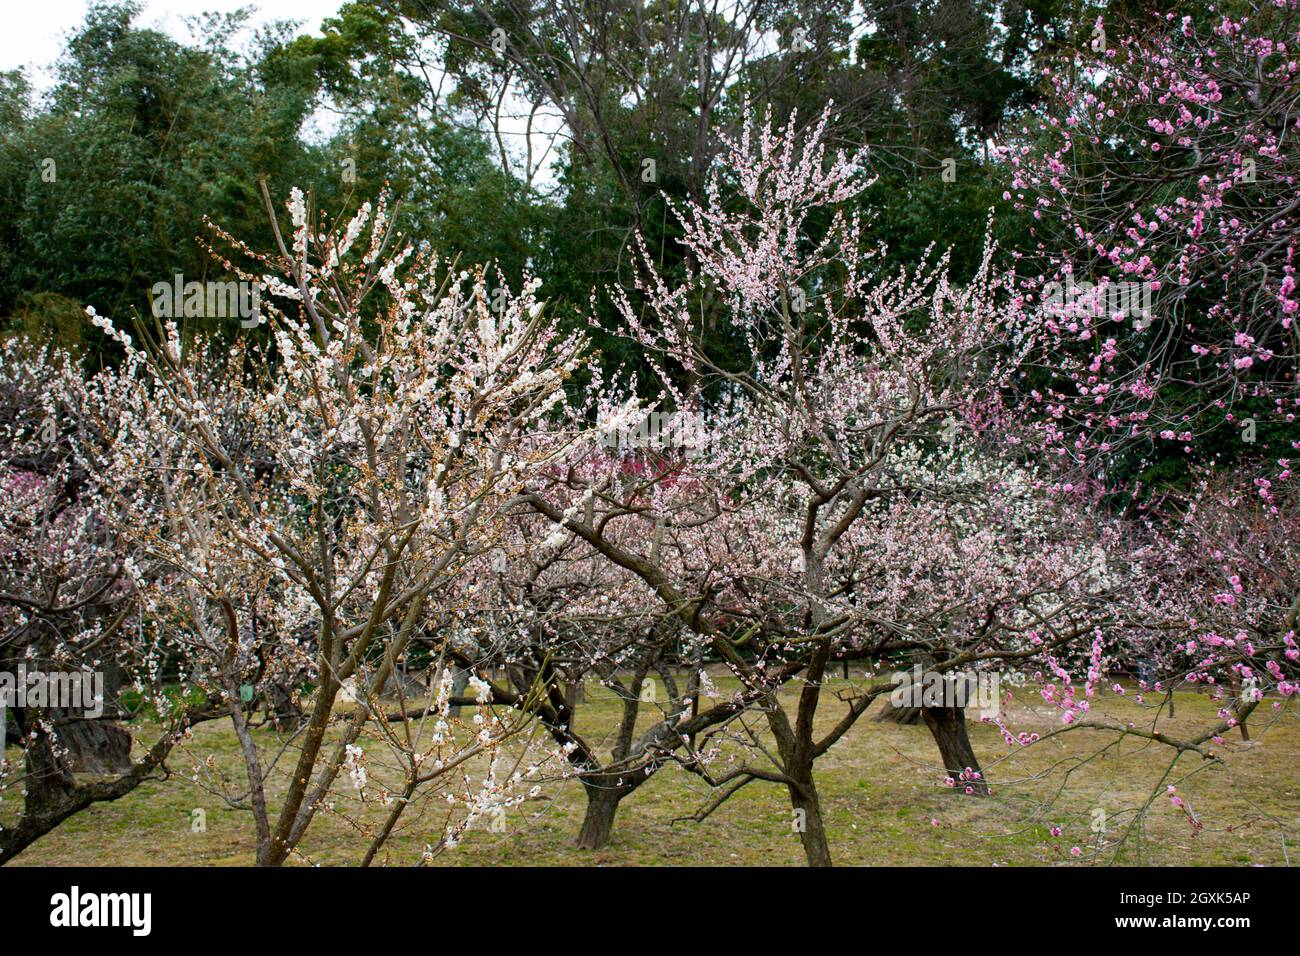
34, 30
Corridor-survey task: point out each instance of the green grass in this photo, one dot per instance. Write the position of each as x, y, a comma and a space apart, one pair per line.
881, 791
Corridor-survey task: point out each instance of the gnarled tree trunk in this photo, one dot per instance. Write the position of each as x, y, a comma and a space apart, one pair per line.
49, 777
95, 746
948, 727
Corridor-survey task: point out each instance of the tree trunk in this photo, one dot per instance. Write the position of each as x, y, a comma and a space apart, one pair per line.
598, 822
803, 797
10, 732
577, 692
49, 778
459, 681
948, 727
285, 711
1237, 702
95, 746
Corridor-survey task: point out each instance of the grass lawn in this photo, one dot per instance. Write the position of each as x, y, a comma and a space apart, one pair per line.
881, 789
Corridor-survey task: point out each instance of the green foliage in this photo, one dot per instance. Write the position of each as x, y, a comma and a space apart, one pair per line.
148, 136
105, 185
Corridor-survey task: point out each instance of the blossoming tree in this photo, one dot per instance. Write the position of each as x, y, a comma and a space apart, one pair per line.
1162, 162
865, 401
73, 606
345, 482
1160, 167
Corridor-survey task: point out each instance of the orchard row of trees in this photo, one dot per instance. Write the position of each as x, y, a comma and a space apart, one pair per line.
901, 452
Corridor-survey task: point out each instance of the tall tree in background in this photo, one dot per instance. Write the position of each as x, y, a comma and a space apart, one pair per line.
106, 183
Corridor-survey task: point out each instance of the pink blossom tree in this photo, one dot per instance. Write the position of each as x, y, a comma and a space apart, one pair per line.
1162, 183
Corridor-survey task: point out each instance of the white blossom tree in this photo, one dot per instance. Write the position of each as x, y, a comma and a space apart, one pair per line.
343, 479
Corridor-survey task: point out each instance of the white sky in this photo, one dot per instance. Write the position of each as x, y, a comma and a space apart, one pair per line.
32, 31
